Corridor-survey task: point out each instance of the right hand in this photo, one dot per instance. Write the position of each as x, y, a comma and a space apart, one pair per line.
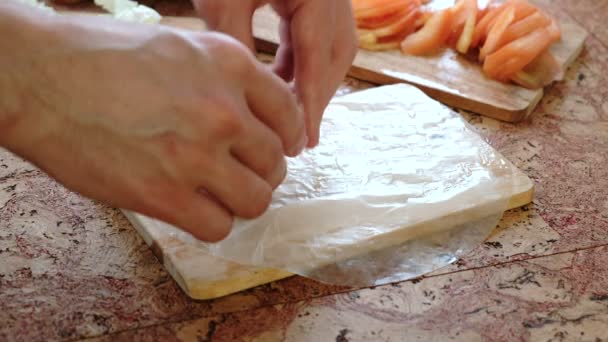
185, 127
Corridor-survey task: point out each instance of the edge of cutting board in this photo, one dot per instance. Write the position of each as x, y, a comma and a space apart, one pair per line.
199, 288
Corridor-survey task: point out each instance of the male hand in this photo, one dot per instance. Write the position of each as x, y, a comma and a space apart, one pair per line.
185, 127
318, 45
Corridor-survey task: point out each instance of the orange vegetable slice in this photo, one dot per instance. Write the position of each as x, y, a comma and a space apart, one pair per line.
497, 31
543, 70
378, 22
485, 23
424, 17
525, 26
405, 24
431, 36
463, 10
377, 8
522, 9
513, 57
466, 37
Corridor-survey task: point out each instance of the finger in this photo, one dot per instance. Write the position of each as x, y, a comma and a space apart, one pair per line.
284, 57
238, 188
188, 209
261, 150
312, 46
345, 46
203, 217
273, 103
230, 17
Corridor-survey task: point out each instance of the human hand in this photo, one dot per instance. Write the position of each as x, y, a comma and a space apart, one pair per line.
318, 45
185, 127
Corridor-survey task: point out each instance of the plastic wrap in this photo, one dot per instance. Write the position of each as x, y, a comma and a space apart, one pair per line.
398, 187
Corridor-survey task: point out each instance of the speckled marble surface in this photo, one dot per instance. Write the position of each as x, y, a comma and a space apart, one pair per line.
71, 268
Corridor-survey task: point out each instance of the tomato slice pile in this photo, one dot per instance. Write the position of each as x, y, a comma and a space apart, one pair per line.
383, 24
511, 39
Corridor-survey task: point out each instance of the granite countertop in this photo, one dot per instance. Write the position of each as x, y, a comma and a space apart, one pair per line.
71, 268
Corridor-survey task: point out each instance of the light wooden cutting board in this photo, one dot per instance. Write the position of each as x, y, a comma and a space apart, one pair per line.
446, 77
203, 276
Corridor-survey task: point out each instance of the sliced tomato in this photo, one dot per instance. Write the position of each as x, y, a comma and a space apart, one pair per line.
484, 24
466, 37
365, 9
463, 10
543, 70
394, 31
525, 26
523, 9
495, 34
513, 57
431, 36
481, 12
424, 17
406, 24
378, 22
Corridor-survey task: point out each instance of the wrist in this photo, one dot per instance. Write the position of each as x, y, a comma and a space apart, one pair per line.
29, 30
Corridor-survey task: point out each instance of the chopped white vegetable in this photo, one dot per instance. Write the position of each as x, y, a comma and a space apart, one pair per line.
140, 14
116, 6
129, 10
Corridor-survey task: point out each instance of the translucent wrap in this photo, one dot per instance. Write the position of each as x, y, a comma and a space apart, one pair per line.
398, 187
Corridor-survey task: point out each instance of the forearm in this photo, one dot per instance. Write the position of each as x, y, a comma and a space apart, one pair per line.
24, 30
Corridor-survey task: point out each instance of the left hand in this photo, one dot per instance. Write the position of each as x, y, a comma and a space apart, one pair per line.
318, 45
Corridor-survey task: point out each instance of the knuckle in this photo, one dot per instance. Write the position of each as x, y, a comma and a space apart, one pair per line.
230, 55
179, 45
228, 126
226, 122
259, 201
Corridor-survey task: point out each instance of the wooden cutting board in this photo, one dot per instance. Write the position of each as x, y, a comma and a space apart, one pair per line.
203, 276
446, 77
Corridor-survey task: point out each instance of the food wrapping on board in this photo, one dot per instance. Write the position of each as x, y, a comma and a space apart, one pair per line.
395, 190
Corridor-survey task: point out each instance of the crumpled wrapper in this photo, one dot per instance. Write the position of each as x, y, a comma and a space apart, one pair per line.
398, 187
